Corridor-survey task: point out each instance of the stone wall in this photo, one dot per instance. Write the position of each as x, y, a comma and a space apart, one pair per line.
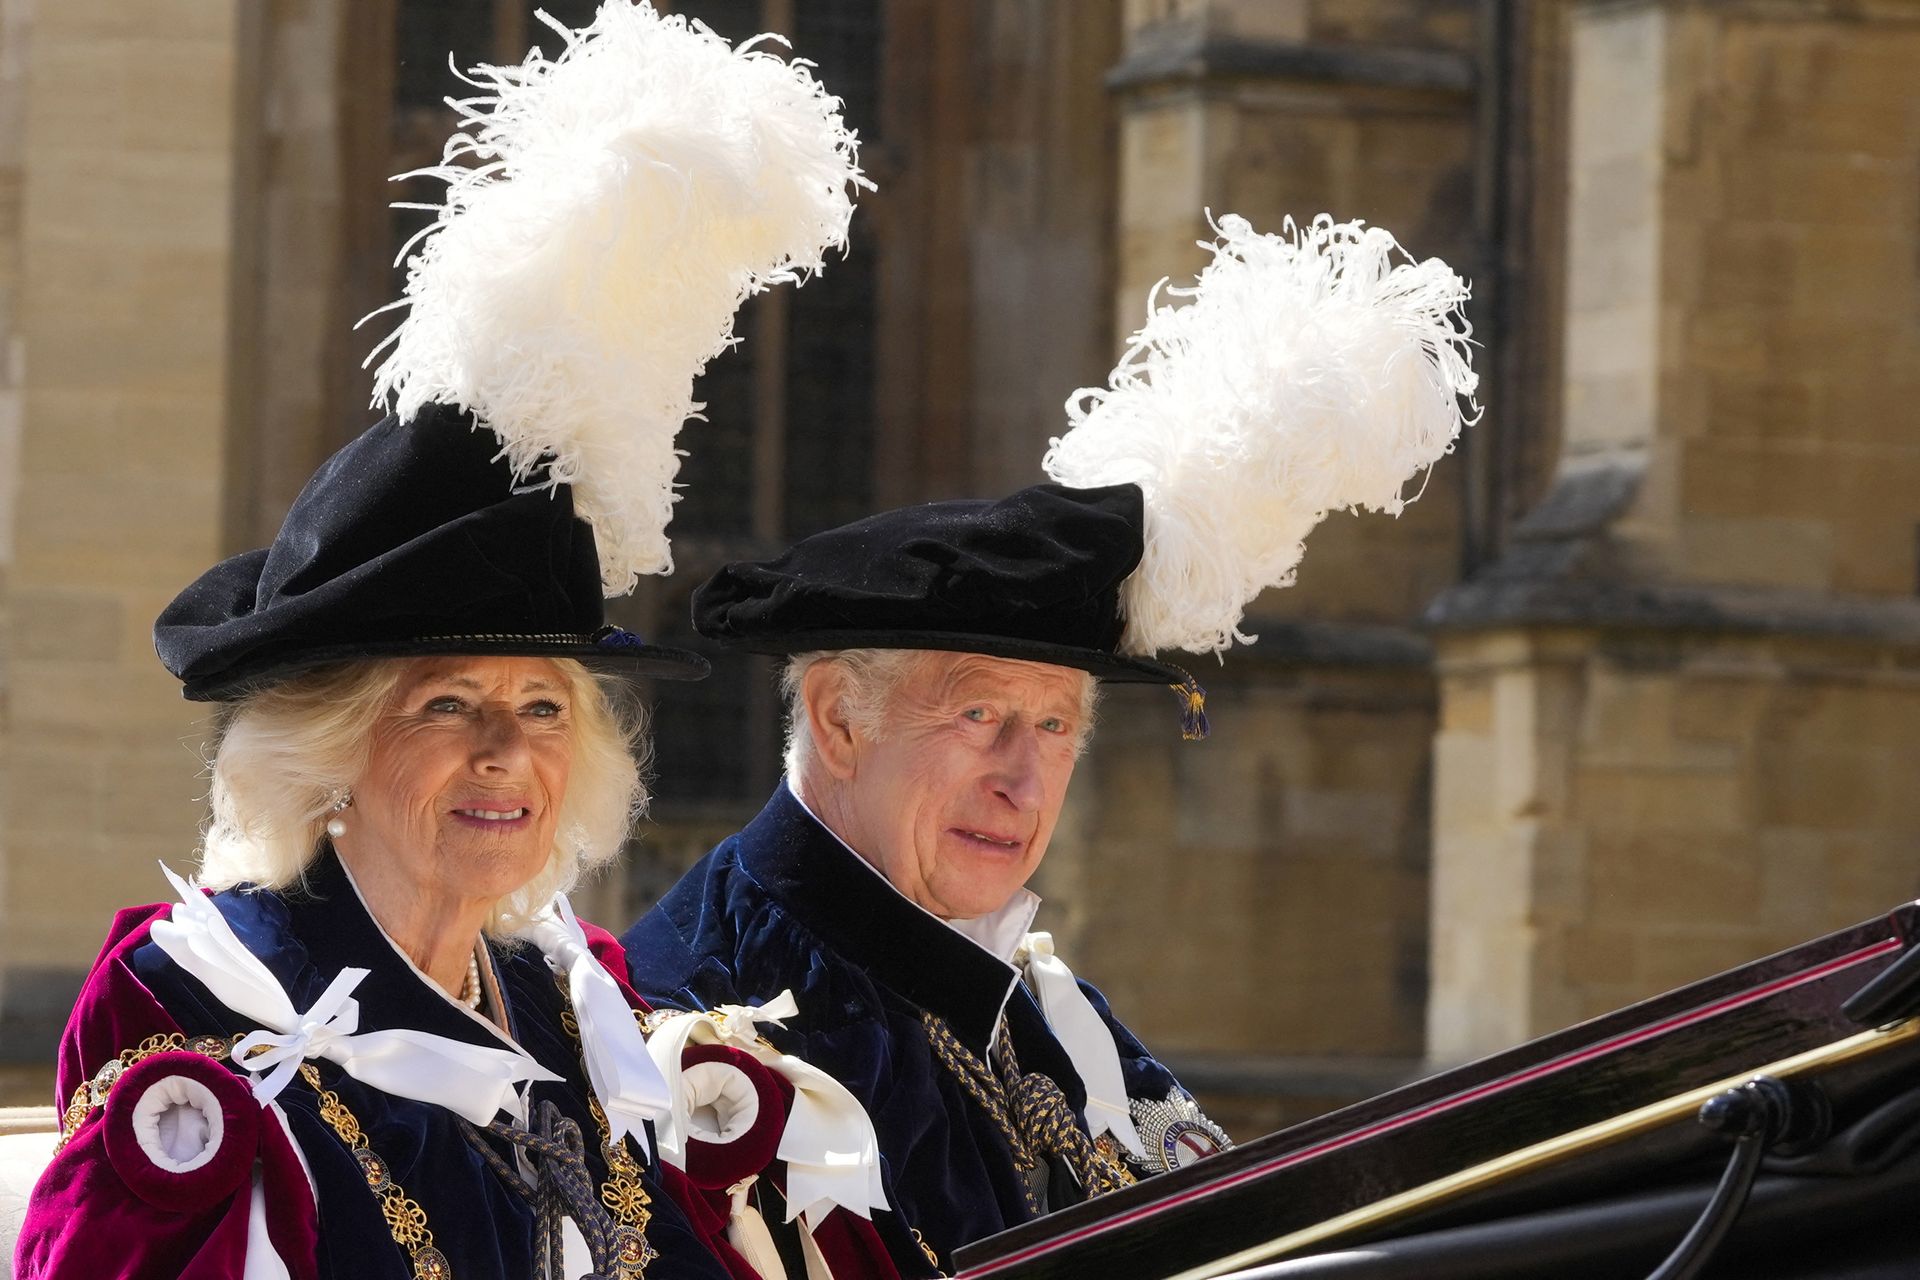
1791, 368
121, 324
1741, 310
310, 149
15, 32
181, 360
1619, 813
1677, 717
15, 42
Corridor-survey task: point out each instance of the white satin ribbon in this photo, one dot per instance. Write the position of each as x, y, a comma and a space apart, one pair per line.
747, 1232
473, 1080
832, 1155
263, 1261
1085, 1036
622, 1072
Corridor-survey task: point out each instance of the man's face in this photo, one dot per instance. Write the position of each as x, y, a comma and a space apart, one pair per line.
956, 802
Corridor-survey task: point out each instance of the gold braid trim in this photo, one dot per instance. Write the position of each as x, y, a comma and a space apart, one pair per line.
93, 1093
927, 1249
1031, 1111
980, 1083
623, 1193
406, 1220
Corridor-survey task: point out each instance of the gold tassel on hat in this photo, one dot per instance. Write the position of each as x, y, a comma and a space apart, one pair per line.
1193, 708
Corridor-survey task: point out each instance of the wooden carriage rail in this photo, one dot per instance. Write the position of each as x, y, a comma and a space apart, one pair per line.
1777, 1007
1667, 1111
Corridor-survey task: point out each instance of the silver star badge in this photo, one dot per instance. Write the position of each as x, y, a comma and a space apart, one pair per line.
1175, 1132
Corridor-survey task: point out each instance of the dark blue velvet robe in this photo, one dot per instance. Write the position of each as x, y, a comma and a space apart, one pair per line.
785, 905
485, 1230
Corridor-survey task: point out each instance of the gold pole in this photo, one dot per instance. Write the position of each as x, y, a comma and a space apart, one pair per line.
1595, 1135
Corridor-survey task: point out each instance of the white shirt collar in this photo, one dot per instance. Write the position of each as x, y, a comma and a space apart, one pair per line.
999, 934
1005, 931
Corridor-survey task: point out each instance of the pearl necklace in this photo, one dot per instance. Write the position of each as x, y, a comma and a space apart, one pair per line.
470, 994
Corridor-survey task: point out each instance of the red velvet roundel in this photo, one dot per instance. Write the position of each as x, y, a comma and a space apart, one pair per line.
181, 1130
715, 1165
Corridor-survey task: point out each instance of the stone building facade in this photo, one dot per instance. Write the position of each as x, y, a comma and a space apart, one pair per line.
1621, 701
1678, 713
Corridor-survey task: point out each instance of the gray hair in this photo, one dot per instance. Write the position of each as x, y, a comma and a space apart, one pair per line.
871, 678
286, 753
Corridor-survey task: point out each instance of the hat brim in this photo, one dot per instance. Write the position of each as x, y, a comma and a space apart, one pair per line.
1111, 667
629, 661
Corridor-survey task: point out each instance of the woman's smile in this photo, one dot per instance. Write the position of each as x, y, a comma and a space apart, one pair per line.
501, 818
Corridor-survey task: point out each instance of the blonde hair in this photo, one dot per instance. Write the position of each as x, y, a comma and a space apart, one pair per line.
287, 753
872, 676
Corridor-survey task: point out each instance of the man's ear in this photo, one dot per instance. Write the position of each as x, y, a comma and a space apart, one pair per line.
835, 744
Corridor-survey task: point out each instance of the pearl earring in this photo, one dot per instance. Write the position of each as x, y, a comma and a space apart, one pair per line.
337, 826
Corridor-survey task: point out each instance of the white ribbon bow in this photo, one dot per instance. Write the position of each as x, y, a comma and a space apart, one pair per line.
623, 1075
832, 1155
473, 1080
1088, 1042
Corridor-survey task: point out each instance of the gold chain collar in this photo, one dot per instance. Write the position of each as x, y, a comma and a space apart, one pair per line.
623, 1193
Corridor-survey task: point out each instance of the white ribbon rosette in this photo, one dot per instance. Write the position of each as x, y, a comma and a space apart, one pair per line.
831, 1153
622, 1072
1085, 1036
474, 1081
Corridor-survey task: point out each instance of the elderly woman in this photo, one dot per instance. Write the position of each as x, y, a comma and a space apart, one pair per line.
384, 1046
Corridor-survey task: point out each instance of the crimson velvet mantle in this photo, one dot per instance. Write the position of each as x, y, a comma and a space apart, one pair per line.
85, 1223
784, 905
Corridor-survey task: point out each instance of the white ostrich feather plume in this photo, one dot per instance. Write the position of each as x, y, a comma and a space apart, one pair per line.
606, 214
1309, 371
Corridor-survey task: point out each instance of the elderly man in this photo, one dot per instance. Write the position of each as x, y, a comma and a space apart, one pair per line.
941, 683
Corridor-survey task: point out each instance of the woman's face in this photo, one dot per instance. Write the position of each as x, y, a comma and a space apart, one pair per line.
463, 785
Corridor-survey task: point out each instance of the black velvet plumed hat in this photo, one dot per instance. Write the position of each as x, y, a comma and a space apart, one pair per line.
415, 539
557, 311
1035, 575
